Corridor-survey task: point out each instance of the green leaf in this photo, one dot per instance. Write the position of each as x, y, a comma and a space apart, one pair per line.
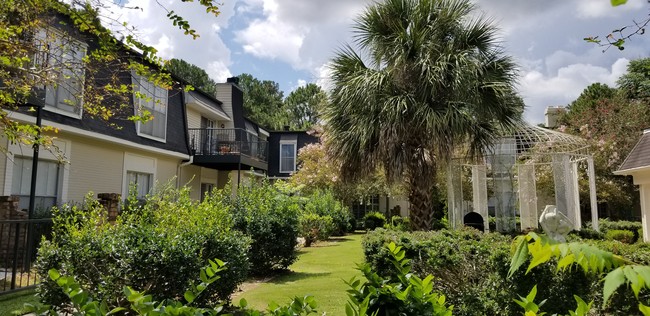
613, 280
54, 274
644, 309
519, 255
616, 3
533, 292
189, 296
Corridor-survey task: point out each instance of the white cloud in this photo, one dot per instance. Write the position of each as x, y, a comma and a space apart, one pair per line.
164, 47
540, 91
602, 8
301, 83
323, 75
272, 39
218, 71
300, 33
155, 29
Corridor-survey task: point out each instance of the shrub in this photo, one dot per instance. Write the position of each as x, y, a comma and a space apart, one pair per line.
606, 225
624, 236
471, 269
324, 203
314, 227
270, 218
374, 220
399, 223
385, 294
156, 246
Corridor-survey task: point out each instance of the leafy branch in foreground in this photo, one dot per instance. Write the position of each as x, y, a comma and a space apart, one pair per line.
618, 270
140, 304
620, 36
402, 294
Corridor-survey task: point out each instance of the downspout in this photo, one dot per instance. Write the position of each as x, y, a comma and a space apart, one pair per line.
179, 170
187, 140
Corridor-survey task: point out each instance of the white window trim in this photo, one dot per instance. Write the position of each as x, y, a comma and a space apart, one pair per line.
137, 163
27, 152
295, 156
55, 109
136, 106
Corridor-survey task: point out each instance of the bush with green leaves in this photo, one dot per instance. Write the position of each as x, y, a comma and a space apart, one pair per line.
155, 246
140, 303
606, 225
472, 271
399, 223
270, 219
533, 250
314, 227
374, 220
324, 203
397, 293
624, 236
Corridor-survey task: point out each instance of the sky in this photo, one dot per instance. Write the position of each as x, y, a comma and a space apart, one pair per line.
291, 41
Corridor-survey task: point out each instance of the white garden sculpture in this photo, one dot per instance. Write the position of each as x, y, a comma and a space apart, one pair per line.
555, 224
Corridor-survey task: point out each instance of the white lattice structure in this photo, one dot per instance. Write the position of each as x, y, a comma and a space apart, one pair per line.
505, 182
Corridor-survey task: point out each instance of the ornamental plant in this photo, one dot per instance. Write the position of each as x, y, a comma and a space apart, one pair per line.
154, 246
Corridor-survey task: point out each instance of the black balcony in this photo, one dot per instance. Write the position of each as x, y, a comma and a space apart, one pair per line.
228, 149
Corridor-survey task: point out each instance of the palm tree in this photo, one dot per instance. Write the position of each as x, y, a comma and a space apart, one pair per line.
436, 78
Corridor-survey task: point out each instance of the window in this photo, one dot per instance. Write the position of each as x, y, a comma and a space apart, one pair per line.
150, 97
142, 182
63, 57
287, 157
367, 205
47, 183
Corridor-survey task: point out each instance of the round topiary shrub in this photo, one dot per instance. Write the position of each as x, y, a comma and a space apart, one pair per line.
374, 220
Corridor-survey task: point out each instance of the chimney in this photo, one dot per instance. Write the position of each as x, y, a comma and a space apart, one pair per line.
551, 115
234, 80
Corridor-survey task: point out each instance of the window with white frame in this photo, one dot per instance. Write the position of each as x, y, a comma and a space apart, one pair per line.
287, 157
141, 182
61, 57
48, 181
152, 98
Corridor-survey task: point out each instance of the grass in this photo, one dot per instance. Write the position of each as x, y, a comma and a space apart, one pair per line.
319, 271
14, 301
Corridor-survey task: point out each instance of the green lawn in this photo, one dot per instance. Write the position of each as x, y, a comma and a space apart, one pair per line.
14, 301
319, 271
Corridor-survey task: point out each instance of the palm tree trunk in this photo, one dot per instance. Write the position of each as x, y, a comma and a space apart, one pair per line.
421, 185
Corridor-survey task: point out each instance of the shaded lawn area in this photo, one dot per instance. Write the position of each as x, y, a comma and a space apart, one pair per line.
319, 271
14, 301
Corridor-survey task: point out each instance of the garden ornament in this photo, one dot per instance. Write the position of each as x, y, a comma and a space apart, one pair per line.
555, 224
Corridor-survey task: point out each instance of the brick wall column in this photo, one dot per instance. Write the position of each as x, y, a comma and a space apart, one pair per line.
111, 203
8, 239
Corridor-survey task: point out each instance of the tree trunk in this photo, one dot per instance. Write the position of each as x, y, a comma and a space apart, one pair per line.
421, 185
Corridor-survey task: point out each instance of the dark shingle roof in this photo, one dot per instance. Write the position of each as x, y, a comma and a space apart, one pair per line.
639, 156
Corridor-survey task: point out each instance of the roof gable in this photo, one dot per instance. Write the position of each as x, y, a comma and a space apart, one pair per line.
639, 156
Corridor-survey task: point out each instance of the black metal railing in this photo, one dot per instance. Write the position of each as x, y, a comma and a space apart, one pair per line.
19, 241
228, 141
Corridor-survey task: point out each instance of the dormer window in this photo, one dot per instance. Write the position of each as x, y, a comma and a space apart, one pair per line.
152, 98
61, 58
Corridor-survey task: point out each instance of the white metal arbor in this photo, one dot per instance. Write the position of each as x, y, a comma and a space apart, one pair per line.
506, 179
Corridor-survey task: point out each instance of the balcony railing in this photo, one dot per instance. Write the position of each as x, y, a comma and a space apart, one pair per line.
227, 141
